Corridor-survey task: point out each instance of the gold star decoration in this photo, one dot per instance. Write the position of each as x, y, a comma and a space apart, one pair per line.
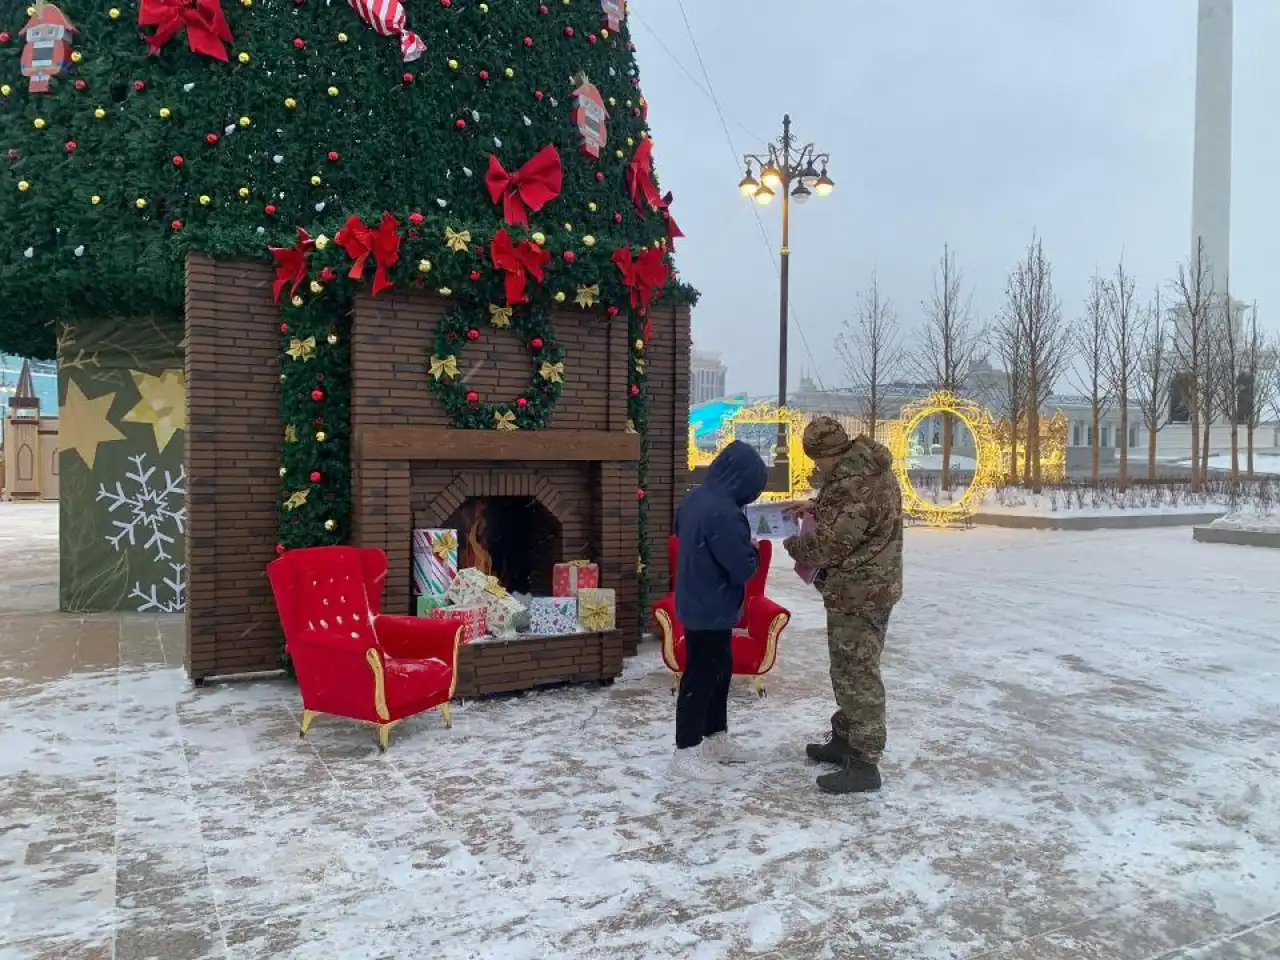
587, 295
554, 372
457, 239
444, 367
83, 425
504, 420
302, 349
640, 567
500, 316
296, 499
290, 433
162, 404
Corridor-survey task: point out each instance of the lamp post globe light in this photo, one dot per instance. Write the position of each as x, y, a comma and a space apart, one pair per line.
797, 173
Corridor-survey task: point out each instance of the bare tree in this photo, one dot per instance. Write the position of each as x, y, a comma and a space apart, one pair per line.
1013, 357
1226, 375
1123, 329
870, 346
1193, 290
1093, 341
1259, 382
1032, 304
1153, 375
950, 345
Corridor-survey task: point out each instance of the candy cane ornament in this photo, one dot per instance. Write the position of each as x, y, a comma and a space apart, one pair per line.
386, 17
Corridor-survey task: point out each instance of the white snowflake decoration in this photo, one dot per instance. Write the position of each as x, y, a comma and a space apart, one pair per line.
174, 598
150, 516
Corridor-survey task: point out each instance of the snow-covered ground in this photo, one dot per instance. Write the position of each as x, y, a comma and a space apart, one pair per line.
933, 461
1082, 764
1250, 520
1264, 463
1152, 501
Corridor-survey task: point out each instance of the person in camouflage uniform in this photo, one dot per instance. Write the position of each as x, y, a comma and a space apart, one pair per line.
857, 544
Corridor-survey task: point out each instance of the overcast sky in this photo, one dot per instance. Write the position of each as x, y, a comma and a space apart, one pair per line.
972, 123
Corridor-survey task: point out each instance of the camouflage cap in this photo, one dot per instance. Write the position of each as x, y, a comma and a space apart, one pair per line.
824, 437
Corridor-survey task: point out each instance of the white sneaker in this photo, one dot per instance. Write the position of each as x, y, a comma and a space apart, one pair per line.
694, 763
718, 748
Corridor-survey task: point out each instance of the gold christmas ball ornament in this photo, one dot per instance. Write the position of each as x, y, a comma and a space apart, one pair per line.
333, 91
639, 346
630, 142
604, 33
290, 103
446, 292
317, 286
243, 57
141, 203
165, 113
243, 193
23, 186
205, 200
453, 64
342, 38
592, 206
568, 227
95, 199
246, 3
5, 90
114, 13
321, 242
296, 301
31, 11
330, 525
560, 296
331, 339
618, 154
38, 123
484, 8
283, 471
76, 56
99, 114
424, 266
613, 101
320, 436
246, 121
589, 240
509, 73
316, 181
540, 238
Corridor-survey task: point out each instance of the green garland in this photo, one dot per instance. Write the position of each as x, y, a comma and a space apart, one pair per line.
531, 409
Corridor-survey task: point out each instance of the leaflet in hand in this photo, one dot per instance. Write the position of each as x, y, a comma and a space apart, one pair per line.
803, 571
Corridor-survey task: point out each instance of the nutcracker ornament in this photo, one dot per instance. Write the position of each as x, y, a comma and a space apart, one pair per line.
47, 53
590, 116
615, 11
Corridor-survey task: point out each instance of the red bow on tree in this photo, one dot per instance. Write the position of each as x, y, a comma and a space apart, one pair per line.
291, 264
643, 276
383, 244
533, 186
639, 174
673, 229
519, 261
206, 25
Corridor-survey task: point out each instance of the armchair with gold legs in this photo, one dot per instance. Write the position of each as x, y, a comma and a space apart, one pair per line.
351, 659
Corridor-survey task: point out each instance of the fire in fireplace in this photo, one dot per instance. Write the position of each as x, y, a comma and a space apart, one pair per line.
515, 539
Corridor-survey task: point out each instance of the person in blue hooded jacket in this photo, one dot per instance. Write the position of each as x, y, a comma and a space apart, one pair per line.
715, 560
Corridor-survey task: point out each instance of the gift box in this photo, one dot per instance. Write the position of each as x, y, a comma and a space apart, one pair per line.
469, 587
427, 604
471, 619
598, 609
568, 578
435, 561
553, 616
502, 614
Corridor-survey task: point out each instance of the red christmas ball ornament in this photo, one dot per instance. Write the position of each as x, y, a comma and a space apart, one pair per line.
537, 94
13, 154
568, 31
640, 494
521, 402
528, 41
298, 43
211, 139
315, 476
475, 276
617, 218
484, 76
612, 311
473, 334
176, 225
446, 3
279, 549
599, 177
569, 256
634, 391
543, 9
82, 85
284, 328
592, 38
333, 156
70, 146
406, 78
460, 124
473, 397
269, 209
415, 218
317, 394
5, 38
139, 86
327, 275
177, 160
536, 343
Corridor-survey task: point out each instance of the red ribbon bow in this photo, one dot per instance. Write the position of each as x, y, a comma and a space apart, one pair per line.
519, 261
533, 186
291, 264
206, 25
643, 276
639, 174
673, 229
383, 244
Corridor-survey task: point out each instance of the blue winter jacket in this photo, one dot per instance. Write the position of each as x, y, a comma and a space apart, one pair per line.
716, 556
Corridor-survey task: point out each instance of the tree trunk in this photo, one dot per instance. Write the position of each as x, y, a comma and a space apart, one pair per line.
1204, 454
946, 453
1097, 443
1235, 453
1033, 430
1151, 453
1124, 442
1195, 452
1248, 437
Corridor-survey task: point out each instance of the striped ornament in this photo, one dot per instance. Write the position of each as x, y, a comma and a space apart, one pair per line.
387, 19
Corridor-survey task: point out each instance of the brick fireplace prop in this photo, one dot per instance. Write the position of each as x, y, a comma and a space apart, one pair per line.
527, 499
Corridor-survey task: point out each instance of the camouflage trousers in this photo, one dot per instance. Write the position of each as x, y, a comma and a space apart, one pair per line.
855, 643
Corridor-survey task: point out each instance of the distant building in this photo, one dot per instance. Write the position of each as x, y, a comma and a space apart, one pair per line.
44, 381
706, 377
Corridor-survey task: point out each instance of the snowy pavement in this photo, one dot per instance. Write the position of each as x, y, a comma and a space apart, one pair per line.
1082, 764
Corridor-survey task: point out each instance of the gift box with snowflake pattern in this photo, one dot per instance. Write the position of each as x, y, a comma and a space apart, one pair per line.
553, 616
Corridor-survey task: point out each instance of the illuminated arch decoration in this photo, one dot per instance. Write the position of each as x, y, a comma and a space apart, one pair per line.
986, 445
801, 467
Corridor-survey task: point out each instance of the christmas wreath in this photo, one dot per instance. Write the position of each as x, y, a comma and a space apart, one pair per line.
531, 408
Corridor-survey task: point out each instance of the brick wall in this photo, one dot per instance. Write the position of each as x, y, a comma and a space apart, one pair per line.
668, 369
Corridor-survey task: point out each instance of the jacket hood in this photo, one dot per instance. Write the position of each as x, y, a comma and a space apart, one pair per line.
865, 457
739, 472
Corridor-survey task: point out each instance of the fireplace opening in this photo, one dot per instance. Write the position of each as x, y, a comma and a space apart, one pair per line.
515, 539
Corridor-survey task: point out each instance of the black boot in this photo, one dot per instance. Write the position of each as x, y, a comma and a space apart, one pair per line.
833, 751
855, 776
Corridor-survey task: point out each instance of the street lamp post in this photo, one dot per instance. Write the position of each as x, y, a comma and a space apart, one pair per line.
798, 172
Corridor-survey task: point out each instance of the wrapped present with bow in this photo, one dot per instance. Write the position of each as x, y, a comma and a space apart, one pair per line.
503, 613
553, 616
469, 587
435, 561
598, 609
473, 620
568, 578
475, 588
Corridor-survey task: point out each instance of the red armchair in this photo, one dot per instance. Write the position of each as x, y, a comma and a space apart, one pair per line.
351, 659
755, 639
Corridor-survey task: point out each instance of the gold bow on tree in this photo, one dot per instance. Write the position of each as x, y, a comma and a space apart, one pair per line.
504, 420
445, 544
296, 499
594, 614
290, 433
553, 372
500, 316
302, 349
587, 295
444, 366
458, 240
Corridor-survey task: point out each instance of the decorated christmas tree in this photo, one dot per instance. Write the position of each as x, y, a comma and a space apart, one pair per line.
496, 153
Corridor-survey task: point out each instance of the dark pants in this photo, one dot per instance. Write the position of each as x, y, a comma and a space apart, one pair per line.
702, 709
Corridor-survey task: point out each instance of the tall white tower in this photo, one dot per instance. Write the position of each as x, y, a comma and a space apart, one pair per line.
1211, 176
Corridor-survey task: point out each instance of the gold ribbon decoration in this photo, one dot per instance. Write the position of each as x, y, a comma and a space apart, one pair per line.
302, 349
500, 316
631, 426
494, 588
587, 296
445, 544
553, 372
444, 366
504, 420
458, 240
640, 365
296, 499
579, 563
290, 433
594, 614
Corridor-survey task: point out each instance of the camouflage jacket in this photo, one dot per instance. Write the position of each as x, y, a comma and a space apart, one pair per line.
857, 539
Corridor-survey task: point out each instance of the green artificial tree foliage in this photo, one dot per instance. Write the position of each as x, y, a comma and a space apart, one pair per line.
300, 116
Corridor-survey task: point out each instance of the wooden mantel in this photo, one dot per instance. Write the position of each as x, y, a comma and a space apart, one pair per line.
443, 443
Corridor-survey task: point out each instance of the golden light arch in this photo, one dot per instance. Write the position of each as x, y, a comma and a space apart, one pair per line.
986, 445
